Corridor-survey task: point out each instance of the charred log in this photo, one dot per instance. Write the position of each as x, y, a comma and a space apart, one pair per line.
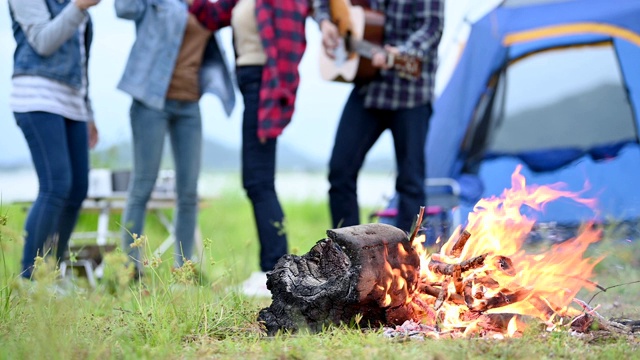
369, 270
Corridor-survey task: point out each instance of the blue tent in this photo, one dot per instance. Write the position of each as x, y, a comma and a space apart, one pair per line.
553, 85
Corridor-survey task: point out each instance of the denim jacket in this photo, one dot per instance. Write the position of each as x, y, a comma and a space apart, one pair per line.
63, 65
160, 27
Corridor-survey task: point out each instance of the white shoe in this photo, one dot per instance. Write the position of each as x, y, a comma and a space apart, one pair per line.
256, 285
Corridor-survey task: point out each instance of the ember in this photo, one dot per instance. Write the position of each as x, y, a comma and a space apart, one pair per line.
480, 283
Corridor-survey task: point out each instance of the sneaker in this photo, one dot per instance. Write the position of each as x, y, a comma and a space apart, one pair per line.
256, 285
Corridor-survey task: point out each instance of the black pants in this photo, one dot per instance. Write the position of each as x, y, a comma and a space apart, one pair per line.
258, 172
357, 132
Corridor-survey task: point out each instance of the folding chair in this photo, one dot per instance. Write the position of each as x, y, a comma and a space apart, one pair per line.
442, 212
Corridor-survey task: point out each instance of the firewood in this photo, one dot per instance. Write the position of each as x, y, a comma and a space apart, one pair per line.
502, 299
457, 280
582, 322
543, 307
435, 292
442, 296
468, 297
417, 225
443, 268
457, 247
473, 263
487, 281
505, 265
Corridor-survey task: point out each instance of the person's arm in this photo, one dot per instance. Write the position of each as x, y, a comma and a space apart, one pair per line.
329, 30
213, 15
93, 134
430, 16
44, 34
130, 9
321, 11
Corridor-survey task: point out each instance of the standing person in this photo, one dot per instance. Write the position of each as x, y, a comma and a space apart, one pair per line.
172, 62
50, 102
388, 101
269, 42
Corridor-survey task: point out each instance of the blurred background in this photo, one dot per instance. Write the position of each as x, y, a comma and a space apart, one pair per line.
305, 145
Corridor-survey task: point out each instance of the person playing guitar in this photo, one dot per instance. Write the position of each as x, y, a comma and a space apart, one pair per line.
386, 100
360, 37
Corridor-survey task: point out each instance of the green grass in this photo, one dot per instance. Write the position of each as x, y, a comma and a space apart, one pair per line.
159, 321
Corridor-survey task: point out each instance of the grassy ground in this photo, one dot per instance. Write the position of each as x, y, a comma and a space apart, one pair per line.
160, 320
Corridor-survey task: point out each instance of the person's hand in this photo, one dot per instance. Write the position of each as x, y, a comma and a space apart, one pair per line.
85, 4
330, 37
93, 134
380, 59
189, 2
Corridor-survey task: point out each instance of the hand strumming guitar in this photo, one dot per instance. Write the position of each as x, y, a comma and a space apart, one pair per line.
330, 37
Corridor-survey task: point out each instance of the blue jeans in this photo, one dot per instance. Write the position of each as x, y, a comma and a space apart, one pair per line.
60, 153
182, 121
358, 130
258, 173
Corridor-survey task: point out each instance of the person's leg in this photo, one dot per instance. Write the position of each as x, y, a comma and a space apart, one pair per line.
409, 128
258, 174
358, 130
148, 128
47, 139
78, 145
185, 129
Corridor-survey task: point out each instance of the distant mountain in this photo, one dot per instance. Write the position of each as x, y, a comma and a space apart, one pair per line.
215, 156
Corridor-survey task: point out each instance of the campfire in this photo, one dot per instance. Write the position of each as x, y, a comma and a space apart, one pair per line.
480, 282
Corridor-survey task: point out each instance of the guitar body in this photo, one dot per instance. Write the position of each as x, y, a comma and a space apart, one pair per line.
357, 23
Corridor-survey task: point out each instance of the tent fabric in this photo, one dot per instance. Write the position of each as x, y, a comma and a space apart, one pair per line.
513, 30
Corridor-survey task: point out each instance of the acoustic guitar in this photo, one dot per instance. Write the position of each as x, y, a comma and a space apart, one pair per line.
361, 34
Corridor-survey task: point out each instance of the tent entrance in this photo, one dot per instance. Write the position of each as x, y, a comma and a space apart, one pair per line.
552, 107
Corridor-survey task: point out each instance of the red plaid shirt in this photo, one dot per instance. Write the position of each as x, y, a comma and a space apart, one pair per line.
282, 29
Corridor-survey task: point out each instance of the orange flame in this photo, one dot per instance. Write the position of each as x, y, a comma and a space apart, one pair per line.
507, 280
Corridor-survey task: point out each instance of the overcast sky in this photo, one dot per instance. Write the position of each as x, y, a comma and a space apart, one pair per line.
318, 106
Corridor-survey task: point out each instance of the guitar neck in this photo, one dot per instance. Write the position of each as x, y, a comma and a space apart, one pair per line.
365, 48
406, 65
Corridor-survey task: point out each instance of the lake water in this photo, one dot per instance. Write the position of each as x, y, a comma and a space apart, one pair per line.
373, 188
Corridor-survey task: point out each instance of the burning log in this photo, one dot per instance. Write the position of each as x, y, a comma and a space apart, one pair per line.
503, 299
468, 296
487, 282
505, 265
442, 295
442, 268
457, 247
435, 292
371, 270
543, 307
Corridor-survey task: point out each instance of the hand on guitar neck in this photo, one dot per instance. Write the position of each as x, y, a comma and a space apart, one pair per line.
383, 58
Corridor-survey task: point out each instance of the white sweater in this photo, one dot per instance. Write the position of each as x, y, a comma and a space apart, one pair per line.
46, 35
